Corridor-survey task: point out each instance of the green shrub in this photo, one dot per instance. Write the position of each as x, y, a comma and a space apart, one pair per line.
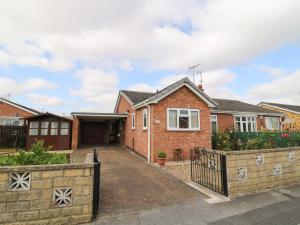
161, 154
37, 155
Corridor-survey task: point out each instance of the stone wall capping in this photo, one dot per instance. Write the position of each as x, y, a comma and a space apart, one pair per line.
242, 152
45, 167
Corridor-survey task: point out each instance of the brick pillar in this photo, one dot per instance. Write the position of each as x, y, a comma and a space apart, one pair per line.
75, 133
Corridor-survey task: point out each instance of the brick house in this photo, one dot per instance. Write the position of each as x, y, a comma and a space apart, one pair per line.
291, 119
244, 117
178, 116
12, 113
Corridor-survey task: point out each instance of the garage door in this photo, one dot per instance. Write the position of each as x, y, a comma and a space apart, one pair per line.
93, 133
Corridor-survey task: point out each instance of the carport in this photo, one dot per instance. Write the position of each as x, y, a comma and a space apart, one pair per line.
96, 129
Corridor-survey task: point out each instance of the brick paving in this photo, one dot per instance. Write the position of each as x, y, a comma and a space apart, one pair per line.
129, 184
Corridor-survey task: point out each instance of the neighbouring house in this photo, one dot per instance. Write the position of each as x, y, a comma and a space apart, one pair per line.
178, 116
12, 113
244, 117
53, 129
291, 120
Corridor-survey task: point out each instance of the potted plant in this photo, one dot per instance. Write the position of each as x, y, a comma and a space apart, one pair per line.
161, 157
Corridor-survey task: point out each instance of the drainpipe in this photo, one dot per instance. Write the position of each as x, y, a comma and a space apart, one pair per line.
149, 134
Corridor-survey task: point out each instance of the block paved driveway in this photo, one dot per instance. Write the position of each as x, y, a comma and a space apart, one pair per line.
129, 184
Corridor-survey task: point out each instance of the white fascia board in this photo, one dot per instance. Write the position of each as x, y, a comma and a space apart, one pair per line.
245, 113
19, 107
276, 107
146, 102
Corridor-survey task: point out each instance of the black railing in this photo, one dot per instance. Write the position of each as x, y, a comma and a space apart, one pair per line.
96, 184
209, 169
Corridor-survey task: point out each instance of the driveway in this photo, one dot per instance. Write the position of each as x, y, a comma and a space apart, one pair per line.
129, 184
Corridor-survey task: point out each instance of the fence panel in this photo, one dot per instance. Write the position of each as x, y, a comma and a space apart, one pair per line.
12, 136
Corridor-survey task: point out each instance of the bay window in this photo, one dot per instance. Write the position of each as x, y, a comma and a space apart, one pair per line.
245, 123
183, 119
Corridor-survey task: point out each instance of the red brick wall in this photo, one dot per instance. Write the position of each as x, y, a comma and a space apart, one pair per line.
9, 110
225, 122
167, 141
75, 133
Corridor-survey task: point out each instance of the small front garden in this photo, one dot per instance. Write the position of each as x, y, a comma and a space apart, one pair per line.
237, 141
38, 155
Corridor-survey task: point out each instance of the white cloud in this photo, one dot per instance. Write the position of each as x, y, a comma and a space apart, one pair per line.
97, 87
142, 87
284, 89
272, 71
13, 87
149, 33
45, 100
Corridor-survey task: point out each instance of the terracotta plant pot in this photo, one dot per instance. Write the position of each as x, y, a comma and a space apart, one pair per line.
161, 161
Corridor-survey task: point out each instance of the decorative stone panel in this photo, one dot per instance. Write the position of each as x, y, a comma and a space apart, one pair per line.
291, 156
62, 197
19, 181
277, 169
260, 159
242, 173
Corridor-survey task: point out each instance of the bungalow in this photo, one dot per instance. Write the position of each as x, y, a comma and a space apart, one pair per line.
291, 120
178, 116
244, 117
12, 113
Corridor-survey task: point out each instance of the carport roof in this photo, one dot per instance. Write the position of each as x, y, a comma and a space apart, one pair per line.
99, 115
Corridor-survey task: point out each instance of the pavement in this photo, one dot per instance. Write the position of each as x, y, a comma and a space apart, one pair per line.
136, 193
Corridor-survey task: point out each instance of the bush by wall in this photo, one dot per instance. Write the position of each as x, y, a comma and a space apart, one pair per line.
236, 141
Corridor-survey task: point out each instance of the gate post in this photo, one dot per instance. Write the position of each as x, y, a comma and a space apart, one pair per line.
96, 184
224, 175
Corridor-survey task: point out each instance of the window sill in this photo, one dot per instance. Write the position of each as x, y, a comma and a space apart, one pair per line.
191, 130
145, 129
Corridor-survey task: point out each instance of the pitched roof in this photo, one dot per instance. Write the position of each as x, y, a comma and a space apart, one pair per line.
294, 108
46, 114
138, 97
33, 111
229, 105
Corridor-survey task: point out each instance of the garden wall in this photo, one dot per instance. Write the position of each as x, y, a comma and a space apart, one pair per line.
252, 171
49, 194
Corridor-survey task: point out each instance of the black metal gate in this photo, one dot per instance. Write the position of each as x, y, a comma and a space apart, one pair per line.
208, 168
96, 184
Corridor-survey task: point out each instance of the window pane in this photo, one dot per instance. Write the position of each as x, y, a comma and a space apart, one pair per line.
272, 123
194, 119
64, 131
33, 132
183, 122
214, 126
144, 119
184, 112
238, 126
54, 125
44, 131
34, 124
45, 125
173, 118
64, 125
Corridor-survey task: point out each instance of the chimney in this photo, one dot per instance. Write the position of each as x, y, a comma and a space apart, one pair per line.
201, 87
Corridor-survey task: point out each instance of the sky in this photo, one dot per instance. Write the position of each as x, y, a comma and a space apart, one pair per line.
75, 55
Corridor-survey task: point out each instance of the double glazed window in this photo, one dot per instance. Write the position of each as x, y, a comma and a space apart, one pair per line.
145, 119
272, 123
245, 123
214, 123
183, 119
133, 121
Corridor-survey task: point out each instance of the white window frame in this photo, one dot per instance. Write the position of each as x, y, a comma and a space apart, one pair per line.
272, 117
253, 123
133, 120
145, 113
214, 120
190, 119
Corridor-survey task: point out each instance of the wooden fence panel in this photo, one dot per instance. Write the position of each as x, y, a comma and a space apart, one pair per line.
12, 136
